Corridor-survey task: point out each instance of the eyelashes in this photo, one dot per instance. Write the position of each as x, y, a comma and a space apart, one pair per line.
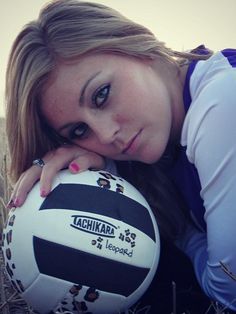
101, 95
78, 131
99, 99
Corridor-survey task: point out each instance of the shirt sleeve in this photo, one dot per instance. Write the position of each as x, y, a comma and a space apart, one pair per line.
209, 133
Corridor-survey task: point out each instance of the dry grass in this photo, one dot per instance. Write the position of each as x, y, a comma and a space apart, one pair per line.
10, 301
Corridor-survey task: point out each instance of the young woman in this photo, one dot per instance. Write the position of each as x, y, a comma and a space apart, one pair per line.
85, 86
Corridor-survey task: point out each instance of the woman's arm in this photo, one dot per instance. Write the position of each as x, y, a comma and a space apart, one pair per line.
210, 135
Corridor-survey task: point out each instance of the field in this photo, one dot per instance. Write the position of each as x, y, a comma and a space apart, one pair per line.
174, 289
10, 302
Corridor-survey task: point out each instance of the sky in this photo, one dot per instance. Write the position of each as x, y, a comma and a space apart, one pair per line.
181, 24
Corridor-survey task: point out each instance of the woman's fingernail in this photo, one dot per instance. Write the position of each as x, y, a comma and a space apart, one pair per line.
10, 204
43, 193
74, 167
16, 202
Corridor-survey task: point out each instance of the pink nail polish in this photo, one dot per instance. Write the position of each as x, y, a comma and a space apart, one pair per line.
10, 204
43, 193
74, 167
16, 202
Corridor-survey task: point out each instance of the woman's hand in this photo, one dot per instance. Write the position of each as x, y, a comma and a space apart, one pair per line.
69, 156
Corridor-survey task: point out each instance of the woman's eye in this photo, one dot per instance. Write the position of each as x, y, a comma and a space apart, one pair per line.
100, 96
79, 131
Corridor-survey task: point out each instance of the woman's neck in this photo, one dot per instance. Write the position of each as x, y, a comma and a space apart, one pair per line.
178, 111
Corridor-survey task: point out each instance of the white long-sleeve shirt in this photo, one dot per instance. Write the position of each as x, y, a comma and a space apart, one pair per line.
205, 173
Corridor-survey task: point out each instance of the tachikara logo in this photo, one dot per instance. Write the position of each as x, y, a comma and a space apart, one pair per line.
94, 226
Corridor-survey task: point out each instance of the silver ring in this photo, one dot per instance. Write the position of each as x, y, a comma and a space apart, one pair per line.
39, 162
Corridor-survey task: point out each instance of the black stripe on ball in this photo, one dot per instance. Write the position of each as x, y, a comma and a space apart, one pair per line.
100, 201
83, 268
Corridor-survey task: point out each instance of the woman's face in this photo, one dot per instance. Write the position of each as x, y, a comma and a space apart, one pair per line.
116, 106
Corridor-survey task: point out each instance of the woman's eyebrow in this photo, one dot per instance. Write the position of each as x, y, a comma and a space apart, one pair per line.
83, 90
81, 100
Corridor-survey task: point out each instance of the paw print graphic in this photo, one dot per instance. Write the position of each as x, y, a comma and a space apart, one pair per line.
91, 295
121, 237
107, 175
119, 188
127, 232
133, 236
79, 306
74, 290
104, 183
132, 244
97, 243
11, 220
99, 246
128, 237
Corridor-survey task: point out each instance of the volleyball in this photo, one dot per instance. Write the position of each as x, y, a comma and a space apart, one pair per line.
91, 246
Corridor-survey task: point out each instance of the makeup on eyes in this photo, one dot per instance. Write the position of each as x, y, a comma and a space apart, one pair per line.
98, 87
94, 93
78, 131
101, 92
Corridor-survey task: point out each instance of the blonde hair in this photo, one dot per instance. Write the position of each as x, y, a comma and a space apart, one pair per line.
64, 30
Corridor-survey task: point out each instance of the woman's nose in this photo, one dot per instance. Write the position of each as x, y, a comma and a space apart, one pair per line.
106, 130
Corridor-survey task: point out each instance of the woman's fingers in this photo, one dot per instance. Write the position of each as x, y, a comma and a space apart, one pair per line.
24, 185
54, 162
76, 161
74, 157
86, 161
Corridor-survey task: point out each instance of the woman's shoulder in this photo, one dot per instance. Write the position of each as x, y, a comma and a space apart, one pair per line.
212, 88
217, 68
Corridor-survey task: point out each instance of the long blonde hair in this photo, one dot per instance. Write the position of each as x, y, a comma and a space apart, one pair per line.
65, 30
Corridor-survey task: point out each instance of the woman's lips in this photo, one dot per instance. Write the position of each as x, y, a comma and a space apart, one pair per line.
131, 146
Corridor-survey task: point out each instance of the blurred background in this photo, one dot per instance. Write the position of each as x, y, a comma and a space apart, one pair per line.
182, 24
